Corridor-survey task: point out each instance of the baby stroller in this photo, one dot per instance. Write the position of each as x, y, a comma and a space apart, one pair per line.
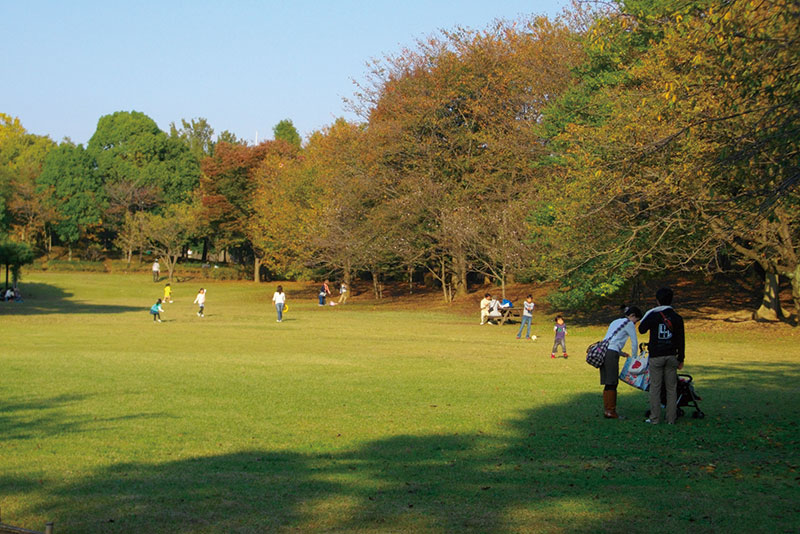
686, 397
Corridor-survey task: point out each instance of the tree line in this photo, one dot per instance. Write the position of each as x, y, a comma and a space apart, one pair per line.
615, 142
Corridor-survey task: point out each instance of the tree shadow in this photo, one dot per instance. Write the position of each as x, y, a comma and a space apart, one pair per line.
31, 417
555, 468
43, 299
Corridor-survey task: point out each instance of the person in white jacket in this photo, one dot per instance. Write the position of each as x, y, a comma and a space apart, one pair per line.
618, 333
200, 300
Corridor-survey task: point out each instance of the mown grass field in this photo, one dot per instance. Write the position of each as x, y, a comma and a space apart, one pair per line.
367, 419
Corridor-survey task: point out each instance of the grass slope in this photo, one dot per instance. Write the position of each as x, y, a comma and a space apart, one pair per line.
357, 419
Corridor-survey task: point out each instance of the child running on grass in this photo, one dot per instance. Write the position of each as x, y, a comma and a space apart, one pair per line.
156, 310
200, 300
561, 337
167, 294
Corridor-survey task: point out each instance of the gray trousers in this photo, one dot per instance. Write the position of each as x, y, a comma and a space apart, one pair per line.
663, 370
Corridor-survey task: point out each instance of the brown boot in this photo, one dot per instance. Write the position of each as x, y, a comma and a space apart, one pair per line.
610, 404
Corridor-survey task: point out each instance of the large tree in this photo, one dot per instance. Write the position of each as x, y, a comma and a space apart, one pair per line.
692, 151
130, 147
76, 192
454, 124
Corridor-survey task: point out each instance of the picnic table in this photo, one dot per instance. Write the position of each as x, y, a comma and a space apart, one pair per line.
508, 315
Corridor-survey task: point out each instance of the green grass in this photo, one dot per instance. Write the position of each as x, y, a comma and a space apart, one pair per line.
366, 419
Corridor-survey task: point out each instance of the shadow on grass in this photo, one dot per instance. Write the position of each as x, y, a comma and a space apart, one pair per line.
42, 299
31, 417
557, 468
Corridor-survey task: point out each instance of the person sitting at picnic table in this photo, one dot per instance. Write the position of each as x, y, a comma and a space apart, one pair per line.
494, 309
485, 302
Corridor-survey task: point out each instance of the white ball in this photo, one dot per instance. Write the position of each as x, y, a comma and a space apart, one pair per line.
534, 338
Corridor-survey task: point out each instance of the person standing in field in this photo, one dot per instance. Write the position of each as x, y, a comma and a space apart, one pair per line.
342, 293
667, 352
527, 317
617, 335
324, 292
560, 329
156, 311
156, 271
200, 300
168, 294
279, 299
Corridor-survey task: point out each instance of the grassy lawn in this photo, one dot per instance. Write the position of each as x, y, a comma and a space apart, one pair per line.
365, 419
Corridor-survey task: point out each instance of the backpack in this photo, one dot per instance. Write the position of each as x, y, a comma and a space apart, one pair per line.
596, 352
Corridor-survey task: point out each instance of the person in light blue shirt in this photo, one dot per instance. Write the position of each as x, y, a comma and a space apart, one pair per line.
527, 317
618, 333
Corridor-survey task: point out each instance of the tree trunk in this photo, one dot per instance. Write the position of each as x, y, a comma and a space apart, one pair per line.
256, 269
69, 253
443, 279
794, 278
503, 282
460, 275
171, 261
377, 288
204, 257
770, 309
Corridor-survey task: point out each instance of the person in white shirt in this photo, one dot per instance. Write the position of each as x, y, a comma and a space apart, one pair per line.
200, 300
279, 299
618, 333
527, 317
156, 271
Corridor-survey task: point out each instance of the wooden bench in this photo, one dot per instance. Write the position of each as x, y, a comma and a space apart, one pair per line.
507, 315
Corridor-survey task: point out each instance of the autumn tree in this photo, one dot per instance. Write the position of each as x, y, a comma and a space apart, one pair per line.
688, 154
453, 122
169, 232
22, 210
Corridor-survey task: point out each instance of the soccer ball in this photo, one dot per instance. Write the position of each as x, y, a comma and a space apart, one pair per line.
534, 338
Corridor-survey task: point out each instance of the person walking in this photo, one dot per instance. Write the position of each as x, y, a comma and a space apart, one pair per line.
667, 348
343, 293
618, 333
167, 294
527, 317
200, 300
156, 271
279, 299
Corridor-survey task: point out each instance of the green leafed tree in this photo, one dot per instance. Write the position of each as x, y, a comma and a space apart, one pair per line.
285, 131
76, 191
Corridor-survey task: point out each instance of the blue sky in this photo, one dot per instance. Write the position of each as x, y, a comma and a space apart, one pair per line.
243, 65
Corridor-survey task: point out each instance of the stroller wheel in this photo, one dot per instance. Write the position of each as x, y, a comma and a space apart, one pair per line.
698, 415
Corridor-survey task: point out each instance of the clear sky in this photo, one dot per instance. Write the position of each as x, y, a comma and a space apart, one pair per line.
243, 65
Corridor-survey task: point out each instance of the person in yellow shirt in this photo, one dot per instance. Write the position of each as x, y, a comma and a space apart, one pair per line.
167, 294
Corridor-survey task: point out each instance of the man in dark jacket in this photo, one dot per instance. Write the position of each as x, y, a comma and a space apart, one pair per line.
667, 349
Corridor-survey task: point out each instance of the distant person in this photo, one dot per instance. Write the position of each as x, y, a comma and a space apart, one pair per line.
667, 348
8, 295
156, 310
200, 300
619, 331
324, 292
494, 309
560, 330
527, 317
484, 305
342, 293
279, 299
156, 271
168, 294
17, 295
